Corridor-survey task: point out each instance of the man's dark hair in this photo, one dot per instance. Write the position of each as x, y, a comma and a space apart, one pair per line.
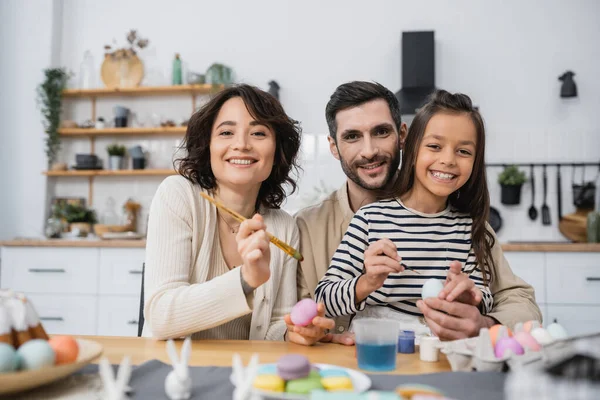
355, 93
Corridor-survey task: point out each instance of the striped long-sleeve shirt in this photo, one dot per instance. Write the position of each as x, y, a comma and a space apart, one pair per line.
426, 242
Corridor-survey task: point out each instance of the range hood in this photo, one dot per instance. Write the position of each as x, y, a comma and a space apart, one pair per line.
418, 70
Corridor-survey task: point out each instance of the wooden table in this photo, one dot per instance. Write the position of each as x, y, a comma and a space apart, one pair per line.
220, 352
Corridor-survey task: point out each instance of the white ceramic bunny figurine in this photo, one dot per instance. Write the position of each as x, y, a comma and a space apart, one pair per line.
114, 389
243, 377
178, 384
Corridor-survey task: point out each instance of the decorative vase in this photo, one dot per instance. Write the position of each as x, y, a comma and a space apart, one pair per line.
54, 227
115, 162
122, 71
82, 228
511, 194
139, 163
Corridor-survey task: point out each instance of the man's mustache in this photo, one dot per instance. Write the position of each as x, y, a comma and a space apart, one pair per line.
371, 161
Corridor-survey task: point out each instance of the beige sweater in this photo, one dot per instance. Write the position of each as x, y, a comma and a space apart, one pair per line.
323, 226
182, 243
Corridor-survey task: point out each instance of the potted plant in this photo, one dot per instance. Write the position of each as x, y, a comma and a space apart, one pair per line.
79, 218
116, 153
49, 98
511, 180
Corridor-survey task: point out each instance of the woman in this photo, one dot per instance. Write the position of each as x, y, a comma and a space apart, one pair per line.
206, 274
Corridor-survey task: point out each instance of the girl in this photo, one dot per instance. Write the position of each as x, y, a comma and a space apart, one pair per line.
435, 223
207, 274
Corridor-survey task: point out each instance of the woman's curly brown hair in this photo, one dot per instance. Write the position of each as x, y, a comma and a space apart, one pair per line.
266, 110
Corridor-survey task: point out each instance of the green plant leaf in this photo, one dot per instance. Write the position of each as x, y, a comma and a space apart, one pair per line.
49, 99
512, 176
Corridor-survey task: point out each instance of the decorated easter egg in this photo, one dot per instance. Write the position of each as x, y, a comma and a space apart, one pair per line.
36, 354
9, 361
495, 331
527, 341
542, 336
506, 344
65, 348
431, 288
303, 312
531, 325
557, 331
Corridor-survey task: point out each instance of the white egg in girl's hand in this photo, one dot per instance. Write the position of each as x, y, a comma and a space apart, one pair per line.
36, 354
431, 288
542, 336
557, 331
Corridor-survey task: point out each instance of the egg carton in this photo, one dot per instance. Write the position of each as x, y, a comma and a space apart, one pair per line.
477, 353
569, 369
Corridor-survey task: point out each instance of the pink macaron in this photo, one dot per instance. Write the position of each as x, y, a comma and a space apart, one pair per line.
293, 366
303, 312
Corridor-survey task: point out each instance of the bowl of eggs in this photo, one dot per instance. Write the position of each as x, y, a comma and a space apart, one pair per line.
28, 356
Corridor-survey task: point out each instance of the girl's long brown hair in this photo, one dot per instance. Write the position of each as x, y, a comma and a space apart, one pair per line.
473, 197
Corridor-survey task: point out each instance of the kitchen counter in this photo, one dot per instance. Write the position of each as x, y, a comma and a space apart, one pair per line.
560, 247
137, 243
557, 247
220, 352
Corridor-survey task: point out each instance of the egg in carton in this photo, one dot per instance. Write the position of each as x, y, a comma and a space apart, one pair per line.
19, 322
492, 350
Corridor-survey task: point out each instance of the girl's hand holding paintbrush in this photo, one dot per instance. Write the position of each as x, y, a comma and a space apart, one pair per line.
381, 259
253, 245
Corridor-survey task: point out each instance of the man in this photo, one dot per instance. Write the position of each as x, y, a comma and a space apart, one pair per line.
366, 136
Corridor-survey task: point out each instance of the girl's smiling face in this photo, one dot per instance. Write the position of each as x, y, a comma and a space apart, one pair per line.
445, 156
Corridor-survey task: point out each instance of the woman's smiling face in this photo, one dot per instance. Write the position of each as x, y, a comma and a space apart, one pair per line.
242, 150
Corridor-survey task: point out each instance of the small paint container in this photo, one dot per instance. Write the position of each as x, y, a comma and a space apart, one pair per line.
406, 342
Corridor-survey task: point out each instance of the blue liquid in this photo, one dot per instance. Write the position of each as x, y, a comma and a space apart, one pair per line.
376, 357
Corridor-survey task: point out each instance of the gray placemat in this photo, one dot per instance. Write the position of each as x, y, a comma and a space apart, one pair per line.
148, 381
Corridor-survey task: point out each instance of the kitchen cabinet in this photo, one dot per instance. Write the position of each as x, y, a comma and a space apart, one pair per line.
566, 284
78, 291
95, 290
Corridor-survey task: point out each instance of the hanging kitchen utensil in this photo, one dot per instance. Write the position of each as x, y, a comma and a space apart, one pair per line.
584, 192
558, 193
495, 220
533, 212
546, 220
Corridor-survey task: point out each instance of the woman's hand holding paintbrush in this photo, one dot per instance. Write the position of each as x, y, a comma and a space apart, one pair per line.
253, 245
240, 218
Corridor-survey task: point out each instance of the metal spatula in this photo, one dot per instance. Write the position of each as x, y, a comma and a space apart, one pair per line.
546, 220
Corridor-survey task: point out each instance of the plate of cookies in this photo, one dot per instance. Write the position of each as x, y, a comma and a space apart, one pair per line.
28, 357
294, 377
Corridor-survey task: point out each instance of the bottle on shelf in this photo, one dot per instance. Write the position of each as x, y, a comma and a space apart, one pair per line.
86, 71
177, 73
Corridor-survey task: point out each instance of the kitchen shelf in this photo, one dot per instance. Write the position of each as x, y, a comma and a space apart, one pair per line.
144, 91
104, 172
193, 91
89, 132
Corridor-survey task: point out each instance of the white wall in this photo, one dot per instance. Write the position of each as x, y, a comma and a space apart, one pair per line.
27, 44
506, 55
